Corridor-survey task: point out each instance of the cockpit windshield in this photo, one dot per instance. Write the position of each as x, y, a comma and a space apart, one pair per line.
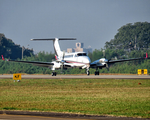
81, 54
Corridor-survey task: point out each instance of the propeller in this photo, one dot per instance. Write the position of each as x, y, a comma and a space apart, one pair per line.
62, 61
107, 64
104, 53
107, 67
106, 61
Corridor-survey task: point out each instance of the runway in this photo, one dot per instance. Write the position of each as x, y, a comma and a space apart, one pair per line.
26, 115
78, 77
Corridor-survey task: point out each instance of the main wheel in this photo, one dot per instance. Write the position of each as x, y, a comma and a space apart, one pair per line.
96, 72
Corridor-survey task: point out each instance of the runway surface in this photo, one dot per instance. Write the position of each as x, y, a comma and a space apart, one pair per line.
78, 77
25, 115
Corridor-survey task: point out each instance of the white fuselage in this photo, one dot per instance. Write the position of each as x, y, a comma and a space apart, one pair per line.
77, 59
66, 60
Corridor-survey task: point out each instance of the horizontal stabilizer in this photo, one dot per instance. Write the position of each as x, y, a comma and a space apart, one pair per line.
56, 38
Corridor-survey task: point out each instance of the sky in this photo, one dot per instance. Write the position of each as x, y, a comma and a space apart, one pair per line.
92, 22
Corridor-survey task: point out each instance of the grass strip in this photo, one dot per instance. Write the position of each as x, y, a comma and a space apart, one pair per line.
116, 97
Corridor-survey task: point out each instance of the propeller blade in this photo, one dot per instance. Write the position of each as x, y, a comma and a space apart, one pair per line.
62, 66
104, 54
107, 66
63, 55
62, 61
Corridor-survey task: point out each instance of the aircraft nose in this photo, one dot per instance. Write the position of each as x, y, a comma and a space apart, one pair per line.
87, 60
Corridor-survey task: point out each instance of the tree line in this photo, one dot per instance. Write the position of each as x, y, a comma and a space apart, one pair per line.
131, 37
11, 50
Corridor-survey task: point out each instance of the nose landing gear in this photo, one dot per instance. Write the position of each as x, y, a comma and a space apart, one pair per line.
87, 71
54, 73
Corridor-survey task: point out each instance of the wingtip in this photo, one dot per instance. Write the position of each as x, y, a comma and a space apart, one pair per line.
146, 55
3, 58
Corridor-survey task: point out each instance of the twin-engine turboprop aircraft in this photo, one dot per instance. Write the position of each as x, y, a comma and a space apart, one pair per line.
73, 60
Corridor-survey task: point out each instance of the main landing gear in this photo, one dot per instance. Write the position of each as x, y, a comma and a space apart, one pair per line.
96, 72
54, 73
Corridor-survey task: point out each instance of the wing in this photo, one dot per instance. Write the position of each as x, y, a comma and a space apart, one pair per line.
104, 62
36, 63
40, 64
123, 60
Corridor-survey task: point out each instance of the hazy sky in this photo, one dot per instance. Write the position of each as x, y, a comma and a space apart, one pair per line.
92, 22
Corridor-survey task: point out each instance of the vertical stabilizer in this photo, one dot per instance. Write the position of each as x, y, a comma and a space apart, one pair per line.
57, 50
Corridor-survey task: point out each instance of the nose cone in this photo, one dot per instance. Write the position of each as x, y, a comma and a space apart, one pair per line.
87, 61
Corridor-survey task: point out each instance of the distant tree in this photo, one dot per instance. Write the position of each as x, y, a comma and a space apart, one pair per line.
131, 36
11, 50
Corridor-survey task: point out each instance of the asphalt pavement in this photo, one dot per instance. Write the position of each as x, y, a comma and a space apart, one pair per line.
78, 76
27, 115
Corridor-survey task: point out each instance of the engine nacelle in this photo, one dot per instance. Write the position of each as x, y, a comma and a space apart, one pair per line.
100, 62
103, 60
56, 65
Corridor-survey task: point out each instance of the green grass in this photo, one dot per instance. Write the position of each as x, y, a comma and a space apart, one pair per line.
84, 96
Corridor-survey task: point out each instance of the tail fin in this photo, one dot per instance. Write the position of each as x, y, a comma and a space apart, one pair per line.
3, 57
57, 49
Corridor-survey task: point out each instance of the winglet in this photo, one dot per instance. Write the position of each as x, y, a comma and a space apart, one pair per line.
146, 56
3, 57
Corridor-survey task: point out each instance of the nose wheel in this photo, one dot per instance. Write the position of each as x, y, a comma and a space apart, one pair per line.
88, 72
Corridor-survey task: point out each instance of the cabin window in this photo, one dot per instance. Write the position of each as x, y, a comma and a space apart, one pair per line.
68, 56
